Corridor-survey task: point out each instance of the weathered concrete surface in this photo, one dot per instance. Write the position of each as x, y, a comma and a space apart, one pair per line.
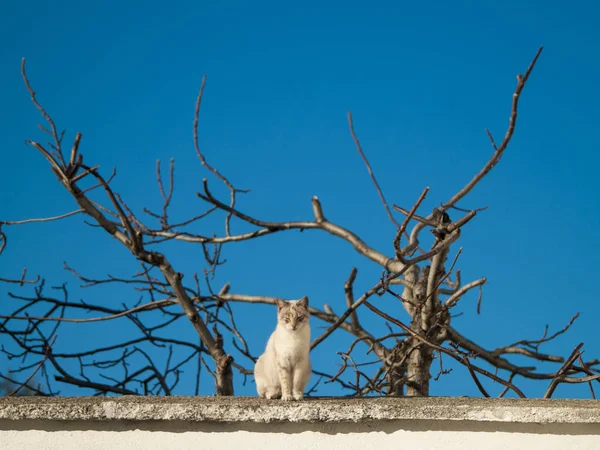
322, 410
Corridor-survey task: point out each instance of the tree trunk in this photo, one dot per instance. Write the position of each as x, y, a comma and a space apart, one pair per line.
419, 367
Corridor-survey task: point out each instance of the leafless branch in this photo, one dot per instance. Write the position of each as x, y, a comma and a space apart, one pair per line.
402, 229
348, 289
132, 240
557, 378
145, 307
370, 170
462, 291
39, 366
39, 220
402, 364
21, 281
218, 174
498, 150
457, 357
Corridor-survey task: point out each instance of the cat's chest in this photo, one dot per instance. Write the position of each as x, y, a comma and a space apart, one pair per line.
291, 349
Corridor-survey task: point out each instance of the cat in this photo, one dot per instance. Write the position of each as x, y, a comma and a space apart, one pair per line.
284, 369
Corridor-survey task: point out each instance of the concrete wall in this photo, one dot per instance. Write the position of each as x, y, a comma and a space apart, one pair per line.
243, 423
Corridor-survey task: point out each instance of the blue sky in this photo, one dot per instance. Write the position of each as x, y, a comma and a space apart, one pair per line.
423, 80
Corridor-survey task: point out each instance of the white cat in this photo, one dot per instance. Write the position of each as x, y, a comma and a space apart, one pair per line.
284, 369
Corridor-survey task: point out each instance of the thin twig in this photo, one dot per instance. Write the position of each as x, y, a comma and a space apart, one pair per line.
348, 290
475, 379
406, 221
39, 366
498, 150
563, 369
41, 219
370, 170
589, 372
218, 174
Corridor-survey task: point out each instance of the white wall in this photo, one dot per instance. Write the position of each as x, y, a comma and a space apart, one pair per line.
246, 423
91, 435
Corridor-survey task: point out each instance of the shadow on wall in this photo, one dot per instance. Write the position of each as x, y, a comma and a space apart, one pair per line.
382, 426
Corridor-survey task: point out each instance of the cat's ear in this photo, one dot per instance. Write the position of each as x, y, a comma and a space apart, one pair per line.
303, 302
280, 304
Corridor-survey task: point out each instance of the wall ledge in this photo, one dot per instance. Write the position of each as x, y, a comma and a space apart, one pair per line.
324, 410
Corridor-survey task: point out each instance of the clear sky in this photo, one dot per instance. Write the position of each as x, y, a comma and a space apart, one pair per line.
423, 79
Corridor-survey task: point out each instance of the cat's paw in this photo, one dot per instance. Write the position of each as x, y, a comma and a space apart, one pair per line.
298, 395
271, 394
287, 397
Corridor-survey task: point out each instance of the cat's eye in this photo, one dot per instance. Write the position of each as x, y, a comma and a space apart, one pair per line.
287, 320
301, 318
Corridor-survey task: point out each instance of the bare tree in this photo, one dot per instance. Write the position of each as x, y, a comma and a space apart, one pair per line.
427, 276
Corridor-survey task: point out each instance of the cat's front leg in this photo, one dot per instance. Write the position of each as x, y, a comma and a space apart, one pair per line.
302, 373
285, 378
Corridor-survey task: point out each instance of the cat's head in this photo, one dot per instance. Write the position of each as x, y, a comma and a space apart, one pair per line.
293, 315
